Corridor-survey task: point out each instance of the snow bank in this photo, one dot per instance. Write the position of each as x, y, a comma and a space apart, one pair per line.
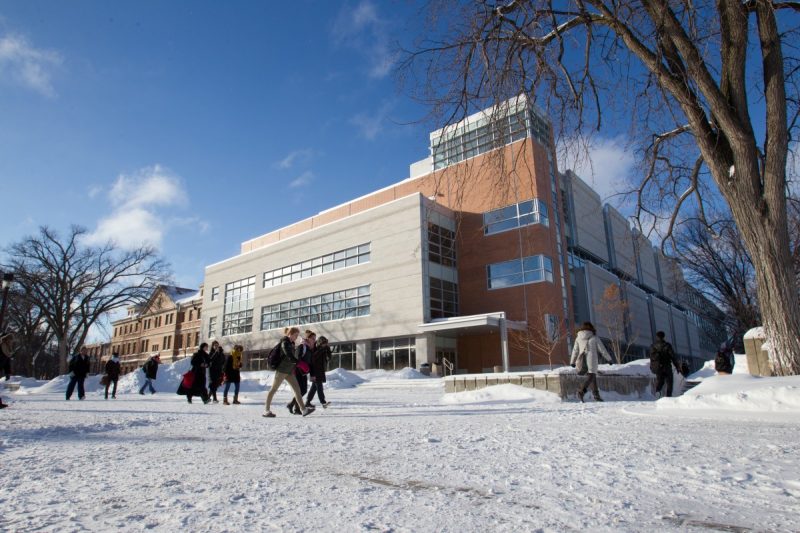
708, 370
500, 394
755, 333
740, 392
382, 375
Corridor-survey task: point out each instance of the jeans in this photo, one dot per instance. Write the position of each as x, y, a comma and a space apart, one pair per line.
71, 387
147, 383
292, 381
114, 390
316, 388
228, 386
664, 377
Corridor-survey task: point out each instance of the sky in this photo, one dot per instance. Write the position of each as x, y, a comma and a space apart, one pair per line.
195, 125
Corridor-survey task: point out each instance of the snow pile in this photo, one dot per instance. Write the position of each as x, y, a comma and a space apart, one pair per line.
383, 375
500, 394
708, 370
740, 392
342, 379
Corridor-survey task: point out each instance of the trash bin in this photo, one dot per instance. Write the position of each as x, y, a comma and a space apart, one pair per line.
425, 369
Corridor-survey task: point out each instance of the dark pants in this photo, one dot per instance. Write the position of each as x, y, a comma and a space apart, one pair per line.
235, 388
203, 394
114, 390
71, 387
302, 382
591, 381
318, 389
663, 377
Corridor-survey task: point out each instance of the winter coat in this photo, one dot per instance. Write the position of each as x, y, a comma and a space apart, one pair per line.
724, 362
150, 368
199, 364
592, 345
216, 362
79, 366
288, 360
662, 357
233, 365
113, 369
319, 362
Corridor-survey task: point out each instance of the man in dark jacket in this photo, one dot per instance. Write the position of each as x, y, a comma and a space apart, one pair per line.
662, 359
216, 363
78, 370
113, 370
150, 369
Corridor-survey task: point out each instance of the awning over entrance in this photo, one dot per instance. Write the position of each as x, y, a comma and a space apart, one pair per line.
472, 324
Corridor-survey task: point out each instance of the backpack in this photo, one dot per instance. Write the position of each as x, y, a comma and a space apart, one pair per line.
275, 357
581, 364
660, 358
722, 363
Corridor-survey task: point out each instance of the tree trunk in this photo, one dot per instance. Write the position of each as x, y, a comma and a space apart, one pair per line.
62, 356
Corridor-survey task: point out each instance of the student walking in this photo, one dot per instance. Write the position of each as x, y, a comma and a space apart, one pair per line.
216, 364
233, 365
113, 370
78, 370
319, 363
587, 342
150, 369
662, 359
6, 353
285, 372
199, 364
303, 353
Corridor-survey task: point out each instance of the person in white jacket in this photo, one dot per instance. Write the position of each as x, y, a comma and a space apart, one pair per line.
587, 341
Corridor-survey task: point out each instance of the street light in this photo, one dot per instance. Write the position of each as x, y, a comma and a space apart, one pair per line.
8, 278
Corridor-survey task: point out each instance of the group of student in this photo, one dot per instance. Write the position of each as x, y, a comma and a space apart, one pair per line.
221, 368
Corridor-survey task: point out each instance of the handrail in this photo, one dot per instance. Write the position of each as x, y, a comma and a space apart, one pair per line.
447, 366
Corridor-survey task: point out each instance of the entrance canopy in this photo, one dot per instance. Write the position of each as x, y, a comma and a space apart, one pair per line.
470, 324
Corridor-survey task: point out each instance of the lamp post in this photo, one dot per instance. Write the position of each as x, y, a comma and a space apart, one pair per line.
8, 278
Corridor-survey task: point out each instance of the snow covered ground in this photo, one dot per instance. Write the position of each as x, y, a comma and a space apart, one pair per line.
394, 453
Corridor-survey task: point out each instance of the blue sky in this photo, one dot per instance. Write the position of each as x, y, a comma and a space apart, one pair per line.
197, 125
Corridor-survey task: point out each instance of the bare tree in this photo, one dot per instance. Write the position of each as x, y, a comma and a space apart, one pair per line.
73, 285
32, 333
545, 336
612, 311
719, 265
679, 73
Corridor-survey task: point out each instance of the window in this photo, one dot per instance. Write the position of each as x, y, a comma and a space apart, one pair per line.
531, 269
443, 298
343, 356
393, 354
238, 317
349, 303
212, 326
441, 245
214, 294
190, 314
515, 216
356, 255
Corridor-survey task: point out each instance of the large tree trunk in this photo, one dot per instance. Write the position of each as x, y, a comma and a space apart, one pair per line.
62, 355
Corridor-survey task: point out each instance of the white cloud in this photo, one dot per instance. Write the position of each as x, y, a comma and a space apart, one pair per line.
362, 29
27, 66
136, 200
94, 190
371, 125
302, 180
296, 156
604, 163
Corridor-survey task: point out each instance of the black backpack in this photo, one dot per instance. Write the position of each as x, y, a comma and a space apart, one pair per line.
275, 357
660, 358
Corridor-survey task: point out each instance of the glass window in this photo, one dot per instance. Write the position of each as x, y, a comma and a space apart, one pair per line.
238, 311
393, 354
531, 269
319, 308
515, 216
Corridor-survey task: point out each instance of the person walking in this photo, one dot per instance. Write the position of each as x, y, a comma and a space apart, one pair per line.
113, 370
216, 364
319, 363
285, 372
233, 366
587, 342
723, 362
6, 353
78, 370
199, 364
303, 353
150, 369
662, 359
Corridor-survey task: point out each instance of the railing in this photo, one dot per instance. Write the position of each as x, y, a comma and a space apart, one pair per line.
448, 366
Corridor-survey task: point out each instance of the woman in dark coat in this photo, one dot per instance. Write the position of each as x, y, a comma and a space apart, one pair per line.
113, 369
216, 362
302, 353
319, 362
199, 364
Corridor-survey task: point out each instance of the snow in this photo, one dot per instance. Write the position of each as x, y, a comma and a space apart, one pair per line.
395, 453
755, 333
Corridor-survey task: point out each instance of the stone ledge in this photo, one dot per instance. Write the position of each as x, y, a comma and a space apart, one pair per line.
564, 385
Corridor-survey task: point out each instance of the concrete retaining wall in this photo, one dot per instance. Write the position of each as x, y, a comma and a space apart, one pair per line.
564, 385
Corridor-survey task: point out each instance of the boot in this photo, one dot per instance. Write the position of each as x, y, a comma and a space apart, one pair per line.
225, 400
597, 398
580, 395
236, 399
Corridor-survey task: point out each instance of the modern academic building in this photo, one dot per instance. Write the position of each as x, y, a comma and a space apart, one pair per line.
485, 256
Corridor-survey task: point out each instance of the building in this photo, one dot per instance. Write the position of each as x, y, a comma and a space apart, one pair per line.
465, 263
167, 324
99, 353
